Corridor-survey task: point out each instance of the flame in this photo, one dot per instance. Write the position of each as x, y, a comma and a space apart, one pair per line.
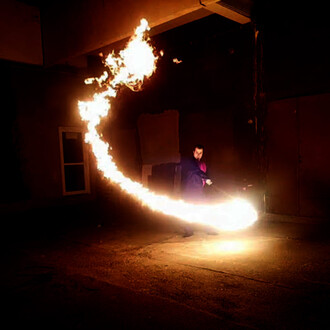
176, 61
133, 64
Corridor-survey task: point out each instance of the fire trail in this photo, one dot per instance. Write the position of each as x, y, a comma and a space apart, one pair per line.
130, 67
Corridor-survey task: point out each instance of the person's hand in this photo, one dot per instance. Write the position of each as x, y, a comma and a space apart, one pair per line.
208, 182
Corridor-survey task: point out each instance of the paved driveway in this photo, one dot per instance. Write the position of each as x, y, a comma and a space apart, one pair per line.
126, 275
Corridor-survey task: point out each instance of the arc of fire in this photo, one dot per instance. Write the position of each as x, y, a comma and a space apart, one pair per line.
133, 64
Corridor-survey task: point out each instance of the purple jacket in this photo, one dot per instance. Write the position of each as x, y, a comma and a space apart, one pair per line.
193, 179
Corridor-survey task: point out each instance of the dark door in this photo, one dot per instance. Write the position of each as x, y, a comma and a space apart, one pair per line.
314, 185
298, 151
282, 153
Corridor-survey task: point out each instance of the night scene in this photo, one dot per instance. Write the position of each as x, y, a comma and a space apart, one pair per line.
165, 164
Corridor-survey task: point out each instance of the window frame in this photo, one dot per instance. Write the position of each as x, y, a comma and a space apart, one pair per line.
85, 162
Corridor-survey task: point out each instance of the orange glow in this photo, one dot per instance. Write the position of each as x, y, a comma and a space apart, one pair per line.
227, 247
176, 61
133, 64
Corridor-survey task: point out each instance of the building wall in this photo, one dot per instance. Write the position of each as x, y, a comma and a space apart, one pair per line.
298, 133
20, 37
36, 103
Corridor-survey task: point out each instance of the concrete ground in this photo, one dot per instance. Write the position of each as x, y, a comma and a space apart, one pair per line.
82, 268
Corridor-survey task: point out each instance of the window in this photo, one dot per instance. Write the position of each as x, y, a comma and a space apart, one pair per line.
74, 161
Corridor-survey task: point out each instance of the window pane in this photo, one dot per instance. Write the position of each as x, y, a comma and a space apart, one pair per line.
72, 147
74, 177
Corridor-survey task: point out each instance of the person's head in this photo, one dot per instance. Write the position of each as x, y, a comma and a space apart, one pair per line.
198, 151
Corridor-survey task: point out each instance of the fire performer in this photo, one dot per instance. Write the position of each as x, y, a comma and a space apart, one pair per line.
193, 176
193, 180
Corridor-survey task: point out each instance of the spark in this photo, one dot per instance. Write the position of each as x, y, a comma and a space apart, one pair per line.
176, 61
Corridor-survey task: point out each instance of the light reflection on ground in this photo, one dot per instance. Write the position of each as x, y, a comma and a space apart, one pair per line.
201, 246
228, 246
